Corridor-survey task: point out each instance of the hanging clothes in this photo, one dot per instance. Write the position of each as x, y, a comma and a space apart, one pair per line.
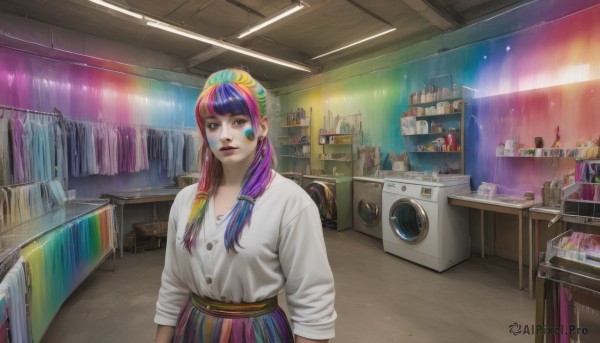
5, 150
18, 152
178, 143
113, 143
191, 149
59, 137
4, 210
14, 288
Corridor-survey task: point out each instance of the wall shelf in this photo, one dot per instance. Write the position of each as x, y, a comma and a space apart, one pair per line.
338, 148
435, 133
433, 103
421, 127
294, 143
542, 153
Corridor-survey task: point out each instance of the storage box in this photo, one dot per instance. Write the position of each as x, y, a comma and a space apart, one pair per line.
408, 125
581, 199
185, 180
148, 236
551, 196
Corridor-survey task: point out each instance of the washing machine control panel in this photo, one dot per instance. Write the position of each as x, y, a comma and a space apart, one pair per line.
426, 192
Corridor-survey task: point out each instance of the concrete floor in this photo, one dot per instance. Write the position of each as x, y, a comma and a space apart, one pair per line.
380, 298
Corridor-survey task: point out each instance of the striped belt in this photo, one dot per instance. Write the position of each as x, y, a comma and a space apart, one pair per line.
243, 310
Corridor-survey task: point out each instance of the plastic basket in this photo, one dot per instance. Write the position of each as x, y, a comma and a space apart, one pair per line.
575, 250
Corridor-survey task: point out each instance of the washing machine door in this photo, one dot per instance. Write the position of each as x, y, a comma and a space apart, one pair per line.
324, 197
408, 220
368, 212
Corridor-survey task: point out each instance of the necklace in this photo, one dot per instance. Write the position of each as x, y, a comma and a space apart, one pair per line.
219, 216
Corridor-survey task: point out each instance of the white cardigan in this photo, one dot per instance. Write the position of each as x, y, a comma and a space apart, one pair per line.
283, 248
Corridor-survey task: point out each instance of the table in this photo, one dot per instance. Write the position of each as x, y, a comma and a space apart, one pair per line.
508, 204
137, 196
550, 214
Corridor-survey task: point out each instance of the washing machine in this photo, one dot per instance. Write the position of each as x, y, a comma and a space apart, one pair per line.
418, 223
366, 205
333, 196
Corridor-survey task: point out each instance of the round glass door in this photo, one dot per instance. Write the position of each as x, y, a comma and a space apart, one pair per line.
323, 198
409, 221
368, 212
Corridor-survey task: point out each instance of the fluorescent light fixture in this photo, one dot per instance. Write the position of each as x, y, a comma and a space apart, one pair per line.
117, 8
224, 45
201, 38
355, 43
278, 16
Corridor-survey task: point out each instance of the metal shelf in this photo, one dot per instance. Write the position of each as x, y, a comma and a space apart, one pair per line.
433, 103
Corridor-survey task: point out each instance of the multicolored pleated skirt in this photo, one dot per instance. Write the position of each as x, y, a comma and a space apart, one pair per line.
209, 321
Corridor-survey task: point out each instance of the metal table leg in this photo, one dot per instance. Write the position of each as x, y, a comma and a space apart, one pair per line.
531, 253
540, 317
521, 250
482, 235
120, 214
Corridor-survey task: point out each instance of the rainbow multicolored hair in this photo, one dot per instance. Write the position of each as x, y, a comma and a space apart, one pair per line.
225, 92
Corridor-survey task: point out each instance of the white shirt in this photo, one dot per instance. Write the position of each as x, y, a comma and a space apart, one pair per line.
282, 248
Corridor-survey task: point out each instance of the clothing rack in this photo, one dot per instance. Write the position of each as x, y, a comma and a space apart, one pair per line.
62, 180
184, 130
56, 113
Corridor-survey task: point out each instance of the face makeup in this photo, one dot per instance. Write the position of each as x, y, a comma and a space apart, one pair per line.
231, 138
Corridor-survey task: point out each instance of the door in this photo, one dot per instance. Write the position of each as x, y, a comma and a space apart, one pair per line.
368, 206
324, 198
368, 212
408, 220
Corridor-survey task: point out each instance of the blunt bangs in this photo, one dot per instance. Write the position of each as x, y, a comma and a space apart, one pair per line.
227, 98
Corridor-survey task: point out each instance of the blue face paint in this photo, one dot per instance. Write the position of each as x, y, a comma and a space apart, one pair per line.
249, 133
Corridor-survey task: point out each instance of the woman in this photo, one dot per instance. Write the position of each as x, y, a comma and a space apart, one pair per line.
242, 234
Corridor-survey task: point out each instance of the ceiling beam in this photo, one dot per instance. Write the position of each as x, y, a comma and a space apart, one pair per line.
246, 8
373, 15
435, 14
212, 52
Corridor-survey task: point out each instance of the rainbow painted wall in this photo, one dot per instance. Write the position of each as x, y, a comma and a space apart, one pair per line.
527, 83
86, 93
93, 94
541, 71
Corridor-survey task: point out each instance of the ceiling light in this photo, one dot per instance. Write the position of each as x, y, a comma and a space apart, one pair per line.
355, 43
117, 8
228, 46
205, 39
278, 16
